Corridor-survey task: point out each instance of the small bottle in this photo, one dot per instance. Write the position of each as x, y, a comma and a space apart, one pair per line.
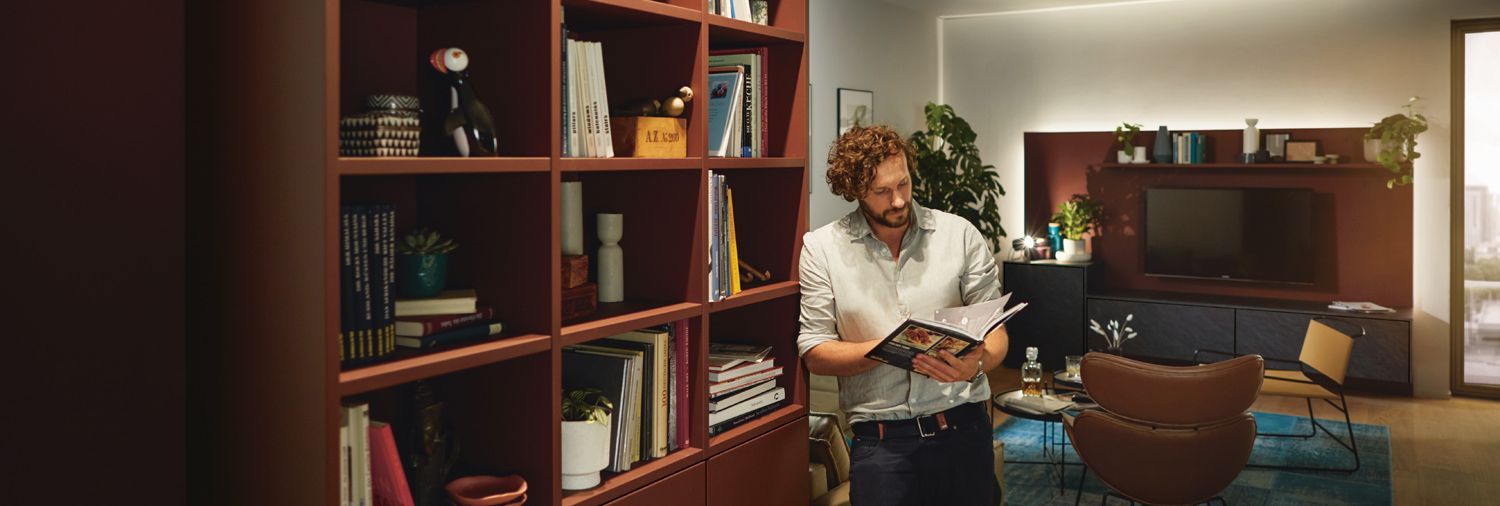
1031, 374
1054, 239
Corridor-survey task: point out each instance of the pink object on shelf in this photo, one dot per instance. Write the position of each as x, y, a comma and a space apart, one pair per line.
488, 491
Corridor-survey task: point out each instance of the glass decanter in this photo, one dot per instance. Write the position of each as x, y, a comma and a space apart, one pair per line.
1031, 375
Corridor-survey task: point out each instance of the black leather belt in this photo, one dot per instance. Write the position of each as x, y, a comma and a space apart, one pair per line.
970, 415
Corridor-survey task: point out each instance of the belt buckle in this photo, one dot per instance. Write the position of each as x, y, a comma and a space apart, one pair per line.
922, 430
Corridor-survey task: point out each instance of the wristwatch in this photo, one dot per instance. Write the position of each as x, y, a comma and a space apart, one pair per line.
980, 370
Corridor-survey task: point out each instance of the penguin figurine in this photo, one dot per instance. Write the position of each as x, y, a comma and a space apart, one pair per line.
468, 120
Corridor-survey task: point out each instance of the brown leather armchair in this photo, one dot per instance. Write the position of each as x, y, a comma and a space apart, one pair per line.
1167, 435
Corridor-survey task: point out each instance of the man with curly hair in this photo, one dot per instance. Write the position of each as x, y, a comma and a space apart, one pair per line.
921, 437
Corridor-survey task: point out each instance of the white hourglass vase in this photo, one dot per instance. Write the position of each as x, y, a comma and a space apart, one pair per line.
611, 258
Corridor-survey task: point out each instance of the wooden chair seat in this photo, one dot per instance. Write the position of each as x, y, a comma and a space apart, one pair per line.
1294, 384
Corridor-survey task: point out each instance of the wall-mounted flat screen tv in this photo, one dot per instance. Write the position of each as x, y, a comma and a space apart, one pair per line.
1242, 234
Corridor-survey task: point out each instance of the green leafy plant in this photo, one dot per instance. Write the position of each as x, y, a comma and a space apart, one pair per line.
1398, 142
949, 175
1077, 216
424, 242
586, 405
1125, 133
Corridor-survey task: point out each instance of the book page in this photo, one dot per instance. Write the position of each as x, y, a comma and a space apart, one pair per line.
974, 319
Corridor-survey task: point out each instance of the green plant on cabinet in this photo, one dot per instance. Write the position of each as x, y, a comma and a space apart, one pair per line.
1077, 216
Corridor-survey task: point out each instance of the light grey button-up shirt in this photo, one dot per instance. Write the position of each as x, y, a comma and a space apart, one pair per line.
852, 290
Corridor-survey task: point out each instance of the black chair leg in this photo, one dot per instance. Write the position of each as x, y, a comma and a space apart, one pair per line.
1352, 445
1312, 431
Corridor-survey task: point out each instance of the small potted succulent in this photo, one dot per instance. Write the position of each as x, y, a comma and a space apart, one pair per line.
1392, 143
1129, 152
422, 263
1075, 218
585, 437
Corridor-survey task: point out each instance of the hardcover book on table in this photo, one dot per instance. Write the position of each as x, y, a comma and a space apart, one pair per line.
956, 329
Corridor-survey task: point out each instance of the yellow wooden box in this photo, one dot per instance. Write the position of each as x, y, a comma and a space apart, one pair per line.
649, 137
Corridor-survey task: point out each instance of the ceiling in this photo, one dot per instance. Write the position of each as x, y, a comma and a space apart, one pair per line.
959, 7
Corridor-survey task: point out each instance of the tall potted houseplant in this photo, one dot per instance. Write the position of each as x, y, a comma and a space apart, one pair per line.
1076, 217
949, 176
422, 263
585, 437
1392, 143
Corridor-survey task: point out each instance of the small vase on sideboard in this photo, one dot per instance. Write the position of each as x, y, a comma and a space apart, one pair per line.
1139, 155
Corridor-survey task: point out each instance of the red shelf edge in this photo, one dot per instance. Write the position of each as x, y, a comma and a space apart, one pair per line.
753, 30
378, 376
624, 483
758, 294
604, 327
756, 428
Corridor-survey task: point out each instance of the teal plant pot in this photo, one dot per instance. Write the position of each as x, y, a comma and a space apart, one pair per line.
421, 276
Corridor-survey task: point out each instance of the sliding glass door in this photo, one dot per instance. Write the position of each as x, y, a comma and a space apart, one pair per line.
1476, 233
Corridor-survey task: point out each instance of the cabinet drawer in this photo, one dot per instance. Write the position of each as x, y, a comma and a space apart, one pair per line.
1164, 331
1381, 355
685, 488
770, 469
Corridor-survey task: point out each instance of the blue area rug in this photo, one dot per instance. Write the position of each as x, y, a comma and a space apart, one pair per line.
1027, 484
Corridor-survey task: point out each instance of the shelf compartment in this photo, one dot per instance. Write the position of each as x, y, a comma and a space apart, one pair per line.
652, 62
615, 14
619, 317
351, 166
411, 365
492, 217
756, 163
752, 429
785, 112
772, 322
615, 485
733, 32
768, 228
627, 164
384, 48
758, 294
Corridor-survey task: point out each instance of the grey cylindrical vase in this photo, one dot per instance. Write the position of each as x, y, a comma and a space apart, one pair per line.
1161, 151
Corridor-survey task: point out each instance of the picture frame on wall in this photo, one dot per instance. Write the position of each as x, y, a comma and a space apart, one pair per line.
856, 108
1301, 151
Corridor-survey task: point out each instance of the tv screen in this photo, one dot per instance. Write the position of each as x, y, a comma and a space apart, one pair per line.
1248, 234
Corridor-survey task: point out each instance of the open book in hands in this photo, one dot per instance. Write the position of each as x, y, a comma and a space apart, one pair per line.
956, 329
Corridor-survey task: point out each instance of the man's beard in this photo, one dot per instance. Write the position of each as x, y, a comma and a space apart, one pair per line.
893, 218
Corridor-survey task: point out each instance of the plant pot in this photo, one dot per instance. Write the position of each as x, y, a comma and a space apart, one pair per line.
421, 276
1074, 251
585, 452
1372, 152
1139, 155
1123, 156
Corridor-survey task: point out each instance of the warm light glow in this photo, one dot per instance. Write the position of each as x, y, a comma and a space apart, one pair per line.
1030, 242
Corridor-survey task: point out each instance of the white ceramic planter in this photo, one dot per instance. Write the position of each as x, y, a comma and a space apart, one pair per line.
1074, 251
1123, 156
1140, 155
585, 452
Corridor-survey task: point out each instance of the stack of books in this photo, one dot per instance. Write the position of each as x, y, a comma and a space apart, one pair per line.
370, 469
644, 374
723, 241
585, 108
1189, 147
452, 317
737, 102
367, 273
741, 385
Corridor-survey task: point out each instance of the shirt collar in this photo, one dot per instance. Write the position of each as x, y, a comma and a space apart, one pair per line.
856, 226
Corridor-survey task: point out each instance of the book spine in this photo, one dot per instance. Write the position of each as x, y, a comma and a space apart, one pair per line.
346, 285
431, 327
361, 287
723, 237
747, 111
684, 420
672, 387
378, 278
764, 103
451, 336
344, 457
713, 237
734, 249
730, 424
605, 135
563, 30
390, 279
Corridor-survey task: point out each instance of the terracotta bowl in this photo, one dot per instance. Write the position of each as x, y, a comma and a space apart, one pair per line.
487, 490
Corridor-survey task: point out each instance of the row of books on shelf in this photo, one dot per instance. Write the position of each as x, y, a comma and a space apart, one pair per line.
452, 317
754, 11
741, 385
1189, 147
370, 469
585, 100
367, 272
723, 244
737, 95
644, 374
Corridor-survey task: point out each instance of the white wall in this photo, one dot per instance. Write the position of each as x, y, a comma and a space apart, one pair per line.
1208, 64
865, 45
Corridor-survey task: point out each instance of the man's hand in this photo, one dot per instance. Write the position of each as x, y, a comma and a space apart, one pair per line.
950, 369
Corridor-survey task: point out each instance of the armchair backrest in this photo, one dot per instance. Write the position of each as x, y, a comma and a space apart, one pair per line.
1327, 349
1172, 396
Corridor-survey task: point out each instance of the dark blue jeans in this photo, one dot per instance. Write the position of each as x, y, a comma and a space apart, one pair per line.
955, 467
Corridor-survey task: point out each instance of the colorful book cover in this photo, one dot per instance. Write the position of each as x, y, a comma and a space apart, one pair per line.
734, 249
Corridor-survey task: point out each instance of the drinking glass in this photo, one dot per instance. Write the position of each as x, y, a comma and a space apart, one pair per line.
1073, 362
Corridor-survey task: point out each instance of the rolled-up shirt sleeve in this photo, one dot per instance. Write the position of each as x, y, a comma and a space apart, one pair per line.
817, 319
981, 278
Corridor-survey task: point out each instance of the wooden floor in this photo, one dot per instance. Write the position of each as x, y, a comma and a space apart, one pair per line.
1442, 451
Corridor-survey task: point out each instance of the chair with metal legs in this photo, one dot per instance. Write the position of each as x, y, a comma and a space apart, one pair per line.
1320, 374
